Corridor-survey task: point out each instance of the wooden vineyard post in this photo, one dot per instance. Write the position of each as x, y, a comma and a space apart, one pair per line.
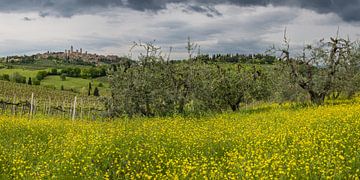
49, 108
89, 112
22, 110
7, 105
94, 115
31, 105
74, 111
35, 108
44, 110
2, 107
70, 109
63, 109
81, 109
57, 106
14, 106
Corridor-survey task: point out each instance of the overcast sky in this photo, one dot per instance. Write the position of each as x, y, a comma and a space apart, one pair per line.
218, 26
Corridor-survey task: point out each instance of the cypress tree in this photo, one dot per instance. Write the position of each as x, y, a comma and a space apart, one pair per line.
96, 92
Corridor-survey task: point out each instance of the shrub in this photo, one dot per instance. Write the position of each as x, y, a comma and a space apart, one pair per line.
16, 77
29, 81
53, 71
71, 72
36, 82
5, 77
41, 75
96, 92
63, 77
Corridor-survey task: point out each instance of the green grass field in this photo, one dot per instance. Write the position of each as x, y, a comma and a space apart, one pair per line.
78, 84
273, 142
24, 72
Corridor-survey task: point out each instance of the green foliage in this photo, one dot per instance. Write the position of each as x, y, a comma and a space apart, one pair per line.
41, 75
238, 58
53, 71
5, 77
16, 77
285, 90
324, 68
96, 92
24, 72
89, 89
77, 84
50, 87
36, 82
348, 81
71, 72
154, 87
63, 77
93, 72
29, 81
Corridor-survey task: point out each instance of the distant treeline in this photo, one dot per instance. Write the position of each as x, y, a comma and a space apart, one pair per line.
230, 58
85, 73
238, 58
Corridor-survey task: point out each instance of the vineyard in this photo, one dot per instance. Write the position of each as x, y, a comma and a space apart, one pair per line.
15, 99
271, 142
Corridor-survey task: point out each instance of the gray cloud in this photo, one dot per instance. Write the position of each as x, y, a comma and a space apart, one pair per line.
229, 29
207, 10
245, 46
27, 19
348, 10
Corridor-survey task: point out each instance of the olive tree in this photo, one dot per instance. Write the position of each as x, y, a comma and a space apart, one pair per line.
348, 83
153, 86
319, 66
142, 88
236, 85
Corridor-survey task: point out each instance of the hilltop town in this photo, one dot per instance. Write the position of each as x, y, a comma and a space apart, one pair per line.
70, 55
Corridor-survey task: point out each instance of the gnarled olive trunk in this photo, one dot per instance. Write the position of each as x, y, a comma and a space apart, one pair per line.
317, 98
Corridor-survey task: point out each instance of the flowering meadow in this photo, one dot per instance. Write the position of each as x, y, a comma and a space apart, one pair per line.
267, 142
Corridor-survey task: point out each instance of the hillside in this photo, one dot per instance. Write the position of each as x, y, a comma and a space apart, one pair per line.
78, 83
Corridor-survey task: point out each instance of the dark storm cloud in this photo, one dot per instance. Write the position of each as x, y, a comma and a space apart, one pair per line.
207, 10
349, 10
64, 8
346, 9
